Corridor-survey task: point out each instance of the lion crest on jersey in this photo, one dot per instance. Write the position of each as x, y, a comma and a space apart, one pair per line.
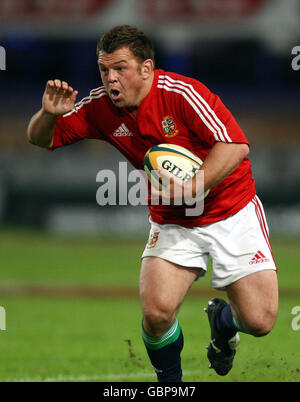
169, 127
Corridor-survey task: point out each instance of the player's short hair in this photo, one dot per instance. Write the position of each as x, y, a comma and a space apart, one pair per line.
127, 36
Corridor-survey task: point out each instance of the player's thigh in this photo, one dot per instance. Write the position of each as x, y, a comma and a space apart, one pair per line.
254, 301
163, 286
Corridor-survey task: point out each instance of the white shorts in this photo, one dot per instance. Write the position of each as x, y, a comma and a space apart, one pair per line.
238, 246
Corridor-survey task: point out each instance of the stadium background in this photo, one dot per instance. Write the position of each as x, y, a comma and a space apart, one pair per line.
240, 49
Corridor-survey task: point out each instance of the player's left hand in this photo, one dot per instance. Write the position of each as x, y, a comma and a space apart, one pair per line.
174, 191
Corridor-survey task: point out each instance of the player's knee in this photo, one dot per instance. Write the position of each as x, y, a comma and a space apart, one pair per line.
261, 326
260, 330
158, 318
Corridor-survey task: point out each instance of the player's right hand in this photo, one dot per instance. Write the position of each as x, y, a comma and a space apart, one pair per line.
59, 98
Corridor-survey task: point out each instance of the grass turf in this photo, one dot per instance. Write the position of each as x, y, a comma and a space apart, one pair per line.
60, 339
50, 339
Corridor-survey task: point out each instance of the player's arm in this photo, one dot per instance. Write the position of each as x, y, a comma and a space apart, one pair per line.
59, 98
217, 127
222, 160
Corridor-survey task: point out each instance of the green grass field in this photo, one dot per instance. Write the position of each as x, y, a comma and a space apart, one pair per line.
81, 338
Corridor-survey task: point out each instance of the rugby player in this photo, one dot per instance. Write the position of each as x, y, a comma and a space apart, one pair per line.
138, 107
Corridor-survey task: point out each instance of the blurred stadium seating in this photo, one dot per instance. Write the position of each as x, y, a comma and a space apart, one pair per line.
239, 49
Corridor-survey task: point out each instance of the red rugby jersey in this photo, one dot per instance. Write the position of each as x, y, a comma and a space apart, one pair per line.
177, 110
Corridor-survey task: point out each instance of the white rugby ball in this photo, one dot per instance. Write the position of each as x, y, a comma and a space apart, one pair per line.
177, 160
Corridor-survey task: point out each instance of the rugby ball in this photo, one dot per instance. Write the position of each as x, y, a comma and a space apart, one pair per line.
177, 160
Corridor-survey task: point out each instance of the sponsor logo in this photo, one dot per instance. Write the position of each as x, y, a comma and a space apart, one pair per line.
169, 127
258, 258
176, 171
122, 131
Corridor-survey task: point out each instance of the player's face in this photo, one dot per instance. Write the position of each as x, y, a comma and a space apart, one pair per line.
124, 77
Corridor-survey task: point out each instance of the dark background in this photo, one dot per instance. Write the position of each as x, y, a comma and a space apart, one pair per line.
244, 56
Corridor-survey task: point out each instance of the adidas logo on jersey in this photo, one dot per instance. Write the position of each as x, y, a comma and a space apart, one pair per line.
122, 131
258, 258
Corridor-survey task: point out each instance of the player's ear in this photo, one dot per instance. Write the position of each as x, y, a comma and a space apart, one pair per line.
147, 68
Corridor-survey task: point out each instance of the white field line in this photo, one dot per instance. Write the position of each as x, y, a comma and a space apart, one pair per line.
61, 378
84, 378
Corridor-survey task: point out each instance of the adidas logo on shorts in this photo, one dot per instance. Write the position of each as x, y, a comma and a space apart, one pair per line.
258, 258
